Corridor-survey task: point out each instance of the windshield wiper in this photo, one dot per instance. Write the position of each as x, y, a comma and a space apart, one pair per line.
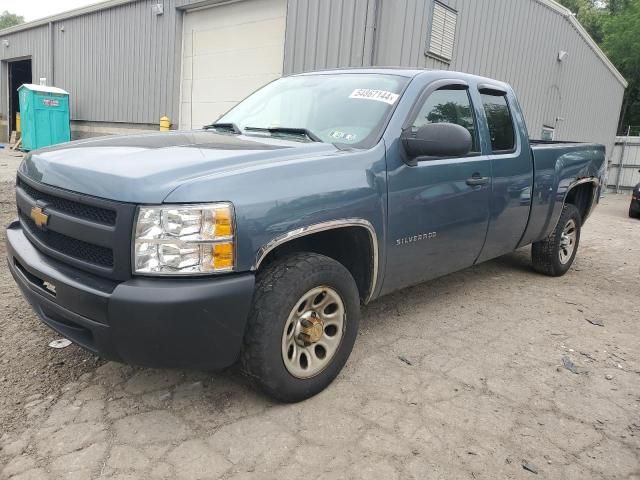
230, 127
287, 131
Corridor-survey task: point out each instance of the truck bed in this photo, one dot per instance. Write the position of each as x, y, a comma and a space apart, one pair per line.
557, 167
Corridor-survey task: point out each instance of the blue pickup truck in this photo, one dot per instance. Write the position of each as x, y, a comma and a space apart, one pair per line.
257, 238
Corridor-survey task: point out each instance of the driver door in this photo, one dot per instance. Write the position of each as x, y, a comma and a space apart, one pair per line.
438, 207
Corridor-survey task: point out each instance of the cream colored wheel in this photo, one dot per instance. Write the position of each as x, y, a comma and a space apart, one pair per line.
568, 239
554, 255
313, 332
302, 325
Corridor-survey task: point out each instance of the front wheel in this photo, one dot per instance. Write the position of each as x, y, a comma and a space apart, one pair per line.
302, 326
554, 255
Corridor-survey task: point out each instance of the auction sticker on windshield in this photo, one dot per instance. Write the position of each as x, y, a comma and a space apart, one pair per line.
377, 95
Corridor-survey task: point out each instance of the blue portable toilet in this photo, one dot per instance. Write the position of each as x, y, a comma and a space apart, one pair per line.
44, 116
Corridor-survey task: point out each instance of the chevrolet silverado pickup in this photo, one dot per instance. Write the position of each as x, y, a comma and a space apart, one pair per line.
258, 237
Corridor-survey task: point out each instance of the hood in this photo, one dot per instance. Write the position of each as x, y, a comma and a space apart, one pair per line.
146, 168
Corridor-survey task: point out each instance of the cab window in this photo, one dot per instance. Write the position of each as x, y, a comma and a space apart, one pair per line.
449, 106
500, 122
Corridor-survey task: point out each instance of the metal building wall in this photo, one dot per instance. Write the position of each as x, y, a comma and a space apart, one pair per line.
32, 43
133, 57
328, 34
516, 41
127, 54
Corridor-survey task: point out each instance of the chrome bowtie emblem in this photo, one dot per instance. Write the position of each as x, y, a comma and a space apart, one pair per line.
39, 217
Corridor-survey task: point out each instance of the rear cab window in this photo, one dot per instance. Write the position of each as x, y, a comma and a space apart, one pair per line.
500, 122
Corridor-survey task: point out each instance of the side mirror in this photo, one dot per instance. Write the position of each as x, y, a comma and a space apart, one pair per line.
437, 140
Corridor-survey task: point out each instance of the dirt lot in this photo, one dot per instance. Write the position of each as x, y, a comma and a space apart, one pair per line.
459, 378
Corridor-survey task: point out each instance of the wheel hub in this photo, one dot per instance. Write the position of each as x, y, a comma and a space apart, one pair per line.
311, 329
313, 333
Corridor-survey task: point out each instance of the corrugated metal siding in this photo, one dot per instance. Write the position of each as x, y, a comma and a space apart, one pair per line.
519, 43
325, 34
132, 57
32, 43
516, 41
627, 152
124, 54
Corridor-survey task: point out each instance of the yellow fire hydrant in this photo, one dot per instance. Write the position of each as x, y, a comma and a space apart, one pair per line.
165, 124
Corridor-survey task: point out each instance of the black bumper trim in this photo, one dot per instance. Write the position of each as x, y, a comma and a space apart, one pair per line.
171, 323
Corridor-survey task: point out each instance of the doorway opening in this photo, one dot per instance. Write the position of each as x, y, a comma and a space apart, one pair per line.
19, 74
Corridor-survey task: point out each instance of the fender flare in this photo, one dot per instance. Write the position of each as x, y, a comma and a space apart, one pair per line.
323, 227
581, 181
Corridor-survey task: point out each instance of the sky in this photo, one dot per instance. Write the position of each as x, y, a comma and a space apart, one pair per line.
35, 9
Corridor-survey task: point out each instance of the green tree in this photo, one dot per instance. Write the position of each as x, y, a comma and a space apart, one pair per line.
590, 13
8, 19
615, 26
622, 45
616, 7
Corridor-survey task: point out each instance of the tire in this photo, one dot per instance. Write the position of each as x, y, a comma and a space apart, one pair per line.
633, 214
552, 256
285, 295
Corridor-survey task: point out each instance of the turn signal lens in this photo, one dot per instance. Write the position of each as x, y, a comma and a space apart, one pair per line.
223, 222
222, 256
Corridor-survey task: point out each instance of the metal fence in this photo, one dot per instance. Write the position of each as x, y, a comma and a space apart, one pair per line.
624, 169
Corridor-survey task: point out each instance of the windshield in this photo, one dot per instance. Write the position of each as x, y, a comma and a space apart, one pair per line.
348, 109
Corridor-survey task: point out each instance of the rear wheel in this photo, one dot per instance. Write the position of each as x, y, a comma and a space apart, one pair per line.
302, 326
554, 255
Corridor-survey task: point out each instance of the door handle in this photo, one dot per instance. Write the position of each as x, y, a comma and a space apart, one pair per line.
477, 180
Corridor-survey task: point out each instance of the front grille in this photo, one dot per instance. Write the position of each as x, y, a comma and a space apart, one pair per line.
81, 210
86, 232
72, 247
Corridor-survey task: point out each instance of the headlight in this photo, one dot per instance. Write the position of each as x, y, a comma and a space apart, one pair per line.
184, 239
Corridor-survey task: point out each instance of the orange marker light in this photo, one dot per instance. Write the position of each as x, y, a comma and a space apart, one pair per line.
223, 222
222, 256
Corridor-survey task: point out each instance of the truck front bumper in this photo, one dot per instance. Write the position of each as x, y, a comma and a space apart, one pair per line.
155, 322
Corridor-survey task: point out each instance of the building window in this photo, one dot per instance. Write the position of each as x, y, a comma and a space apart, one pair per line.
443, 32
548, 134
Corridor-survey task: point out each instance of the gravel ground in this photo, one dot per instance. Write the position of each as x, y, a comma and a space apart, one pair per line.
462, 377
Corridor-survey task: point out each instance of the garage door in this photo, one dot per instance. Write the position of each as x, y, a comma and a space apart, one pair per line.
228, 52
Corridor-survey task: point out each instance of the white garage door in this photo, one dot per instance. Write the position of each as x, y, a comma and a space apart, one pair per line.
228, 52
